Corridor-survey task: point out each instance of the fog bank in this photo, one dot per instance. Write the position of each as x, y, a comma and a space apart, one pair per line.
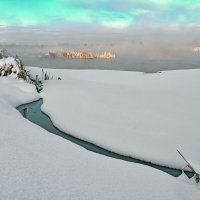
139, 48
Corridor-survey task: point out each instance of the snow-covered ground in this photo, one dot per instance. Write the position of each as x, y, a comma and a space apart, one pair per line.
35, 164
146, 116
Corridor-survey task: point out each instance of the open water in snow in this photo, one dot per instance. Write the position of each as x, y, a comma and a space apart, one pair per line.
34, 114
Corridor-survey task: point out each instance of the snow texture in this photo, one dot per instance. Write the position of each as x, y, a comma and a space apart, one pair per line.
146, 116
38, 165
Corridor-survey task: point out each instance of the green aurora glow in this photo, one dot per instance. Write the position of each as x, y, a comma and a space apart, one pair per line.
113, 13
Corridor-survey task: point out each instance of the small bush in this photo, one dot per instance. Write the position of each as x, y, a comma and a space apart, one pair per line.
21, 75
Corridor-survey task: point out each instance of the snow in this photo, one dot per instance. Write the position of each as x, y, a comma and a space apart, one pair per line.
196, 165
38, 165
146, 116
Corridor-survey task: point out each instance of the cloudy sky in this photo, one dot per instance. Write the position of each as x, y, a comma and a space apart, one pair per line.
103, 13
146, 29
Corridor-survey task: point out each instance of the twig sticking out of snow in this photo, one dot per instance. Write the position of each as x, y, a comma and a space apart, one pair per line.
197, 176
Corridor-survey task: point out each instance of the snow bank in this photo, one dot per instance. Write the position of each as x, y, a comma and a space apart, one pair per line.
146, 116
38, 165
9, 65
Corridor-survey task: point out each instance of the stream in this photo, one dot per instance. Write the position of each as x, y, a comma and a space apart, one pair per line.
32, 111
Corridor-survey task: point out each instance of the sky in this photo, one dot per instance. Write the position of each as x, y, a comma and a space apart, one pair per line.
118, 14
147, 28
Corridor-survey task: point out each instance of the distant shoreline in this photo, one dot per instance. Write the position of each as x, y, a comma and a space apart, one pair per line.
80, 55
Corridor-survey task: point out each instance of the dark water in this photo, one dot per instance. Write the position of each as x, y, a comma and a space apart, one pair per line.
33, 112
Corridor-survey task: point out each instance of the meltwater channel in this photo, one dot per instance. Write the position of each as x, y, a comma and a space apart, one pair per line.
32, 111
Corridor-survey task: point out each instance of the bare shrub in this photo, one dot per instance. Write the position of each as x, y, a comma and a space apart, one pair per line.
21, 75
